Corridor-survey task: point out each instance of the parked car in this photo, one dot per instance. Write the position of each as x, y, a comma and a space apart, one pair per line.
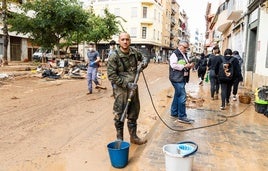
48, 54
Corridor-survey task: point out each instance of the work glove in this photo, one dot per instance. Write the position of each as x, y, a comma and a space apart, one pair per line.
144, 64
132, 86
92, 64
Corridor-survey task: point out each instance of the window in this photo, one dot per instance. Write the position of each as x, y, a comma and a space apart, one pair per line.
144, 12
134, 12
133, 32
1, 45
144, 30
1, 48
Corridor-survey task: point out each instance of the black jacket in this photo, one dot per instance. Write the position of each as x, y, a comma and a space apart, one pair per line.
214, 62
202, 63
236, 67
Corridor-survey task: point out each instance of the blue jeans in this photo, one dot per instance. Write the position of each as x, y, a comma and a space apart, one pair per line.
178, 107
91, 76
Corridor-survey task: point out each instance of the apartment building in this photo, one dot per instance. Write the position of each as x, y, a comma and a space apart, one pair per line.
154, 25
241, 25
198, 46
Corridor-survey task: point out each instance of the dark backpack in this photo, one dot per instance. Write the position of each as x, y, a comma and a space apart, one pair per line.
226, 70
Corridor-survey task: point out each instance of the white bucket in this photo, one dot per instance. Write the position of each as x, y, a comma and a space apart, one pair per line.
174, 160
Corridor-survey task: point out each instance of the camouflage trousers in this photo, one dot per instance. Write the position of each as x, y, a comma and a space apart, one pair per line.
121, 98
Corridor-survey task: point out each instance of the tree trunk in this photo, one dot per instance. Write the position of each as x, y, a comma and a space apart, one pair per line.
5, 31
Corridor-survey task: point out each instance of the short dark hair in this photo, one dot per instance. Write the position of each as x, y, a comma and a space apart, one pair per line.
92, 44
235, 52
112, 42
228, 52
216, 47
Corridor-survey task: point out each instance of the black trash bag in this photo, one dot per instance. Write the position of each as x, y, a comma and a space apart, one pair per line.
82, 66
50, 74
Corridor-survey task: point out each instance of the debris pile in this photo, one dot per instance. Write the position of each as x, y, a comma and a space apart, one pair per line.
52, 70
63, 69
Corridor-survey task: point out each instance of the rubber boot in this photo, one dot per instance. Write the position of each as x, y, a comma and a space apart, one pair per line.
119, 126
133, 135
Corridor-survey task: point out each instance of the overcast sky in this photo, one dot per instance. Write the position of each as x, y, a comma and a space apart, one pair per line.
196, 11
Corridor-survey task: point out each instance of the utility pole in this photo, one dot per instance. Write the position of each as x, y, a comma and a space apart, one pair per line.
5, 31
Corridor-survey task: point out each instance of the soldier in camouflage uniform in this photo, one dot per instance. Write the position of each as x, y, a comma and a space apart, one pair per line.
121, 70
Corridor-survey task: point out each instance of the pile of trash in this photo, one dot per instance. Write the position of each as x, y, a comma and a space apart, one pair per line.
63, 69
52, 70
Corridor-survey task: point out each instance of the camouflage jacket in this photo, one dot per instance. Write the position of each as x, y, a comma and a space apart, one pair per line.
122, 68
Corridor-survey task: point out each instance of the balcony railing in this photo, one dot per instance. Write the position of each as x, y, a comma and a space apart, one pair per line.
220, 20
235, 10
147, 2
147, 21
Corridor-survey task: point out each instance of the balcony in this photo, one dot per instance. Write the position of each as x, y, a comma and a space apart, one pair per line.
235, 10
224, 26
147, 2
235, 15
173, 22
223, 23
172, 36
173, 11
147, 21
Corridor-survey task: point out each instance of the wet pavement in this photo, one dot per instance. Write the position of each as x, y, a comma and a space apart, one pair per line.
232, 139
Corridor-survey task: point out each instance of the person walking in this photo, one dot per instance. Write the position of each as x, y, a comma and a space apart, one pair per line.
228, 70
111, 51
179, 74
112, 48
214, 61
121, 70
93, 60
239, 77
201, 68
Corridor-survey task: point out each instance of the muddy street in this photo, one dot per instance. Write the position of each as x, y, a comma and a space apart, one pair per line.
54, 125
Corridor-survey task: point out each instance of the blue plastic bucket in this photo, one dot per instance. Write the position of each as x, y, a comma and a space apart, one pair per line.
118, 153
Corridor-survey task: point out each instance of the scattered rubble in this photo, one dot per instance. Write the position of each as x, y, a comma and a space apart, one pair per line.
63, 69
50, 71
